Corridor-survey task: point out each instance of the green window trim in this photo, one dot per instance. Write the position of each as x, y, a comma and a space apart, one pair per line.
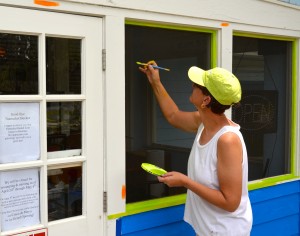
262, 36
155, 204
150, 205
294, 107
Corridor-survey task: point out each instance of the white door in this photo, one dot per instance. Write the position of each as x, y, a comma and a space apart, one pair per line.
51, 134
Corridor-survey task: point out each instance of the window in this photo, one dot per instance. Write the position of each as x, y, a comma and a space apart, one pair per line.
63, 128
63, 65
18, 64
265, 71
149, 138
64, 192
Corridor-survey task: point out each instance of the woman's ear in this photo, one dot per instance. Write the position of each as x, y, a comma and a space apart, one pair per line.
206, 100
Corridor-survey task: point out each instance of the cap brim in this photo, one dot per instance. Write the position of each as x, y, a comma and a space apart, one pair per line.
196, 75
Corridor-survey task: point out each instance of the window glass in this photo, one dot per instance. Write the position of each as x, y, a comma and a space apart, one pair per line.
63, 71
18, 64
63, 129
149, 138
64, 192
264, 69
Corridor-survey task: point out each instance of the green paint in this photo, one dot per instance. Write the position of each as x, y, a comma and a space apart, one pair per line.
166, 26
214, 49
260, 36
150, 205
294, 107
272, 181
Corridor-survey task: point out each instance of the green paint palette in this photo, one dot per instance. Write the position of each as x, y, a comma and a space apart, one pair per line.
152, 169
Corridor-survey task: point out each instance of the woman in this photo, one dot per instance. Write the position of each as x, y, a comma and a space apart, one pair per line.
217, 195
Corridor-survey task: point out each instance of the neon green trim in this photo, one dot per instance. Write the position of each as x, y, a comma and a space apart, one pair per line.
294, 107
155, 204
260, 36
150, 205
272, 181
166, 26
214, 49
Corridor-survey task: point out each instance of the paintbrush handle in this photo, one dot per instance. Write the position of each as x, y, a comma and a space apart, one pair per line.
156, 67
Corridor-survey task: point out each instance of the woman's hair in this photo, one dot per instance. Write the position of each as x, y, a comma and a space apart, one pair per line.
214, 105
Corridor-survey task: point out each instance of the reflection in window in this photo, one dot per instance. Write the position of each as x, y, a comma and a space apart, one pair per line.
149, 138
18, 64
63, 59
64, 193
264, 69
64, 127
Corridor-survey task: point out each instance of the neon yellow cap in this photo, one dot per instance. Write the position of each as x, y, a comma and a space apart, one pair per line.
221, 83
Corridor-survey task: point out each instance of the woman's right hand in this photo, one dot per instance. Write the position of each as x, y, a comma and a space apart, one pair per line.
151, 73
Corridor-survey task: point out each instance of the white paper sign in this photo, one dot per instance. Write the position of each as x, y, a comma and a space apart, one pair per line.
19, 132
19, 199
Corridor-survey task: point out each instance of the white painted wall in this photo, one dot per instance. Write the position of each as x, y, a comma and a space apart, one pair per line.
268, 13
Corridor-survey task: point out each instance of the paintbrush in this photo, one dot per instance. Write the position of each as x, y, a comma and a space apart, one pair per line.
156, 67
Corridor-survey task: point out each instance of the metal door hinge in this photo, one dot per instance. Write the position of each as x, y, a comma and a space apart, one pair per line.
103, 59
105, 202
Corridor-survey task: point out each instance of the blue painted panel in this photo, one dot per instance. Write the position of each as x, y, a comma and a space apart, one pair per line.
152, 219
287, 226
276, 191
275, 208
275, 212
176, 229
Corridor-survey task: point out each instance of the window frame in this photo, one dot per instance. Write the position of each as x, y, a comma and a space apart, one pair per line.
274, 180
153, 204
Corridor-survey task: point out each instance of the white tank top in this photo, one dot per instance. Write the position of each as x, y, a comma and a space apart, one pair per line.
205, 218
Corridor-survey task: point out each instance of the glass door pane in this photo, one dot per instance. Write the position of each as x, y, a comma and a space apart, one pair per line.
63, 59
18, 64
64, 192
63, 129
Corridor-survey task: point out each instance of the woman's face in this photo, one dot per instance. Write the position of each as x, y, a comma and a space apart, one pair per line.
197, 96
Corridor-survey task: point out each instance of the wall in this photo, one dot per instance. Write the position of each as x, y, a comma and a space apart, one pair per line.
275, 212
268, 13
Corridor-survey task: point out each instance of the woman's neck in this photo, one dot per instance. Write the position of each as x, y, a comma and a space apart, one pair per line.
214, 122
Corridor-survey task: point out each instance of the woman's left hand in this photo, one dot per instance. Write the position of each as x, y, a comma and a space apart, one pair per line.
173, 179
